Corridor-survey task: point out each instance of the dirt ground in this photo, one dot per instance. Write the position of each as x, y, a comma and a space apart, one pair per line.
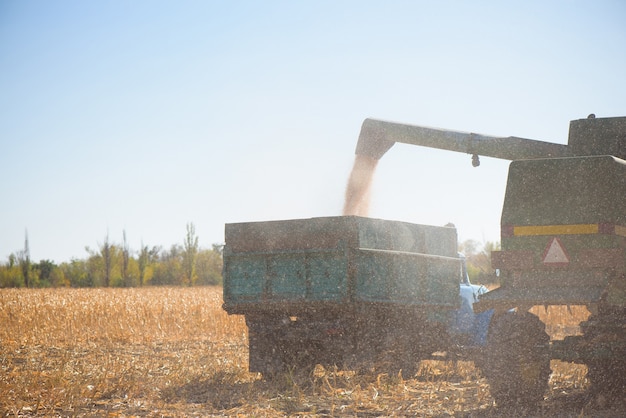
174, 352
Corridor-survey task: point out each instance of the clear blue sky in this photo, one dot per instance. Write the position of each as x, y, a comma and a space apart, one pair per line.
144, 116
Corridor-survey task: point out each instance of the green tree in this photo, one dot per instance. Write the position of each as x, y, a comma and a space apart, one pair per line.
147, 257
94, 268
45, 269
24, 260
57, 278
126, 279
76, 272
478, 257
190, 255
209, 266
105, 251
11, 273
168, 270
103, 265
133, 272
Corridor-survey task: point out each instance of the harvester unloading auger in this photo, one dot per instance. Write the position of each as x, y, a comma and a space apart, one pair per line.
378, 136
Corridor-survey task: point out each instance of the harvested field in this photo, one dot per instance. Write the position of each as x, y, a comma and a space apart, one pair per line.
174, 352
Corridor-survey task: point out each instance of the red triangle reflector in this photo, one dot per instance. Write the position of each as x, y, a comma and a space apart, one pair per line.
555, 253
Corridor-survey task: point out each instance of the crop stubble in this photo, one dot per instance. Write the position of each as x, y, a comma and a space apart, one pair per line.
175, 352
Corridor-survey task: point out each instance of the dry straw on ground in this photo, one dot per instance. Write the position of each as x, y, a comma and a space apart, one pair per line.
174, 352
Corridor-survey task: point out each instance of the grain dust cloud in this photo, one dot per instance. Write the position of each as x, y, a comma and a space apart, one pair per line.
357, 201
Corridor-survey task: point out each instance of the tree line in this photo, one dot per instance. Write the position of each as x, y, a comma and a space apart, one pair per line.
478, 259
116, 265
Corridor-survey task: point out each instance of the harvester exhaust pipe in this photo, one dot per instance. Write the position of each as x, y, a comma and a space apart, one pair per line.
378, 136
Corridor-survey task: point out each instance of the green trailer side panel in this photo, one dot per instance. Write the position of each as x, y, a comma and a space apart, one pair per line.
342, 259
245, 278
411, 279
286, 276
445, 285
328, 277
290, 276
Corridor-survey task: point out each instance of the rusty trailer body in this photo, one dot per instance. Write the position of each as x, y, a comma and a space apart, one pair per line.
304, 264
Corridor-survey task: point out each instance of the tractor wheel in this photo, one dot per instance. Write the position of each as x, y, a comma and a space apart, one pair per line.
608, 378
607, 373
517, 360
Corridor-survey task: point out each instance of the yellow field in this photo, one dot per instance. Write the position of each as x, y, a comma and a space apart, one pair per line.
174, 352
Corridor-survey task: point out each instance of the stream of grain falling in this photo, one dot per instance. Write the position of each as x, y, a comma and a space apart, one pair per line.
358, 190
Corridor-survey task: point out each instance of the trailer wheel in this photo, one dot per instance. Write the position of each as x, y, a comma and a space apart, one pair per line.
265, 356
517, 360
300, 358
274, 347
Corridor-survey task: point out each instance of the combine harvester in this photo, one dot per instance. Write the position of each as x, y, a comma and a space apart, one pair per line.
361, 293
